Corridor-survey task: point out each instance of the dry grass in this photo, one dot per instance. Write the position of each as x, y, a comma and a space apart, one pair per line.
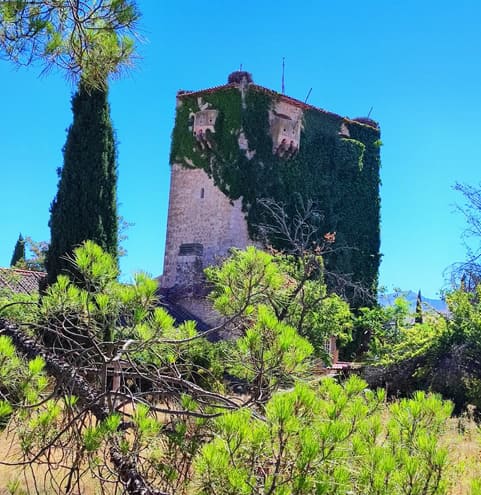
35, 478
40, 478
462, 438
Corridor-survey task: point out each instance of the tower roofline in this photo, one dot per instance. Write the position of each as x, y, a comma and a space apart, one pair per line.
288, 99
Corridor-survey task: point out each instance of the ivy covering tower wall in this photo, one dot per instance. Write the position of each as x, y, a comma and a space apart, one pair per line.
336, 166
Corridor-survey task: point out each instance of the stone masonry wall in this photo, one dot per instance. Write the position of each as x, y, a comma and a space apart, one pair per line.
200, 214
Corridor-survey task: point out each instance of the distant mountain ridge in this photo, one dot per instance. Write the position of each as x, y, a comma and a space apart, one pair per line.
411, 297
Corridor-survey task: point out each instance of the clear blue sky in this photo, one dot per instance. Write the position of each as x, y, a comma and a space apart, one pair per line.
416, 63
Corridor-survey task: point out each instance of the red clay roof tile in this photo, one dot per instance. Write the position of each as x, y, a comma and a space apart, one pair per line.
20, 281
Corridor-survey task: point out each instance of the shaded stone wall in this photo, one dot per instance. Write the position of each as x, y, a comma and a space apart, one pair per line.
202, 308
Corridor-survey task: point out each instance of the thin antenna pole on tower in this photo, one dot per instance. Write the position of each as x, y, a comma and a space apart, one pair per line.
240, 68
283, 67
369, 114
308, 94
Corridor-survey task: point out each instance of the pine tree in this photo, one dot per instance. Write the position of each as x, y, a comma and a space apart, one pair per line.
19, 251
419, 309
85, 206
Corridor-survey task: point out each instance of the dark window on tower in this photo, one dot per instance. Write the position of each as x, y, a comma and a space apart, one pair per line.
191, 249
202, 193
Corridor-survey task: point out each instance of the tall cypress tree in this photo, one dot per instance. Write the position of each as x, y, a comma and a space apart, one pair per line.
419, 309
85, 206
18, 251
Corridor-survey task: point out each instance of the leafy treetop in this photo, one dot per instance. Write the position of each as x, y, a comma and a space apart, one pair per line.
91, 39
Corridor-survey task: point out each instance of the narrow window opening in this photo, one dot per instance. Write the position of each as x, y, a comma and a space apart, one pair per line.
202, 193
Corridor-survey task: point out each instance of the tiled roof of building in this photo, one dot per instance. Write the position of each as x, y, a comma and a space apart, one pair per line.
292, 101
20, 281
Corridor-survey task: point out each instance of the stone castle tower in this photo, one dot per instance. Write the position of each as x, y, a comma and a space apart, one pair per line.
238, 142
202, 225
